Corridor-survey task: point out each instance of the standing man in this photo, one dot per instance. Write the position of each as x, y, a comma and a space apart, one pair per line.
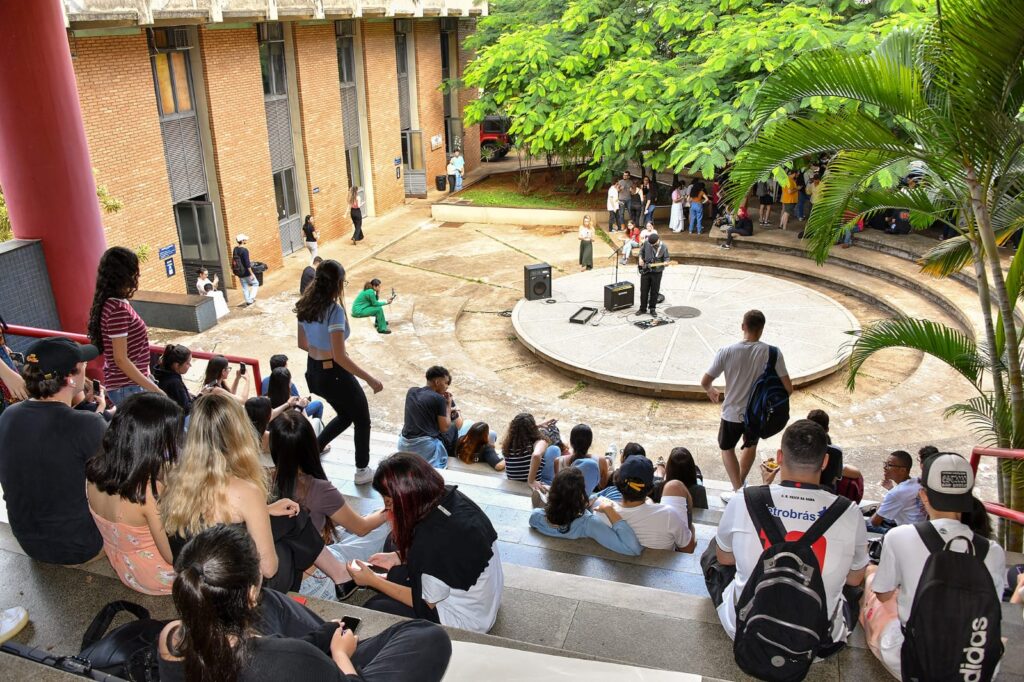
459, 164
742, 363
613, 208
241, 266
652, 254
790, 196
625, 187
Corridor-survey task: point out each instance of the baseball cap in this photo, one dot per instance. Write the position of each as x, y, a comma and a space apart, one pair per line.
637, 472
56, 357
242, 238
948, 480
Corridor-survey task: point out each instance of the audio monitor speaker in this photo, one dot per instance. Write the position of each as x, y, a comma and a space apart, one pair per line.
537, 281
618, 296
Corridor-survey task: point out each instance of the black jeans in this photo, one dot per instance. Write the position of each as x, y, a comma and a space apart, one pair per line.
385, 604
717, 576
650, 285
342, 391
613, 220
298, 543
412, 651
357, 224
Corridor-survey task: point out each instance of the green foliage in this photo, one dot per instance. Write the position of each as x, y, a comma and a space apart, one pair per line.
108, 204
671, 82
510, 198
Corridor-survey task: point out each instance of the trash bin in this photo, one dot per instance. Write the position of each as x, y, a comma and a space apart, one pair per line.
258, 269
441, 182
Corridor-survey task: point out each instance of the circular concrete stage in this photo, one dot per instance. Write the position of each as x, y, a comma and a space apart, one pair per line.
705, 305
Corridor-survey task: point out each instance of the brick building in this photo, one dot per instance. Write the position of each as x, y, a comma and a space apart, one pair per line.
209, 119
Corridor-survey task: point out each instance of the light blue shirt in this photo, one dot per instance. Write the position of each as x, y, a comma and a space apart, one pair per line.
618, 537
318, 334
460, 163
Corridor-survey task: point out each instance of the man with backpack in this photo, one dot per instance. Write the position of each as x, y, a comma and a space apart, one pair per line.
742, 363
241, 267
947, 582
783, 562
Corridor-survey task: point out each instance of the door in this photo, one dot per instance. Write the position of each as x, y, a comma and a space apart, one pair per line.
200, 246
289, 223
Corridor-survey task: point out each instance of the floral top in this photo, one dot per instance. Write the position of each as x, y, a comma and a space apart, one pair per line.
134, 556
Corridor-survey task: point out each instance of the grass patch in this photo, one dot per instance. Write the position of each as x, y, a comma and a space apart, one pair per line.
580, 386
606, 238
482, 196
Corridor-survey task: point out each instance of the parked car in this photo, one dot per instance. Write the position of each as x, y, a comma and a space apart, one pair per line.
495, 141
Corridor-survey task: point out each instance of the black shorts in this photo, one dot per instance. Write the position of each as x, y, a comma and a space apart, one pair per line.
765, 199
729, 434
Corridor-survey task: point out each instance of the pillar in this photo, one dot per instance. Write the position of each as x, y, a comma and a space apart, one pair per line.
45, 170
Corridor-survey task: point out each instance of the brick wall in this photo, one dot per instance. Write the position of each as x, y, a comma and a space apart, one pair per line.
380, 74
122, 125
430, 100
471, 134
323, 140
241, 151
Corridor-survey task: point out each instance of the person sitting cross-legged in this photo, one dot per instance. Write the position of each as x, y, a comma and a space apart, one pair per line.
661, 525
901, 504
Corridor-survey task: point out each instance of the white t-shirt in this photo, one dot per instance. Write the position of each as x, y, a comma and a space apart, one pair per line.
586, 233
742, 364
844, 546
902, 504
201, 283
657, 526
219, 304
613, 198
474, 609
904, 554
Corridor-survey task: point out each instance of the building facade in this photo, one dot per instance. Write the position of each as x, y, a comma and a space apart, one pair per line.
213, 118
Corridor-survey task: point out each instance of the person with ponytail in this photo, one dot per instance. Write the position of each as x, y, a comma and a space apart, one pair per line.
581, 438
117, 330
175, 361
218, 635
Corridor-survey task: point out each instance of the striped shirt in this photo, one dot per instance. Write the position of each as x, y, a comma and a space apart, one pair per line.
517, 463
119, 319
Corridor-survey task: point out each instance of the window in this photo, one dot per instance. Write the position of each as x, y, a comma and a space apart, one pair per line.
412, 149
346, 39
197, 230
272, 59
284, 192
354, 165
401, 54
171, 78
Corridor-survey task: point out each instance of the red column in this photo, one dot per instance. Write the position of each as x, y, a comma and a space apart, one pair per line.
44, 158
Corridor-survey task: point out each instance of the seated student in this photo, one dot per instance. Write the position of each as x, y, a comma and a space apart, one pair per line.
217, 594
124, 485
580, 439
299, 475
446, 568
220, 306
368, 304
88, 400
477, 445
744, 227
567, 515
309, 274
314, 408
851, 484
432, 422
529, 455
681, 467
218, 370
734, 553
279, 391
631, 240
833, 470
946, 494
661, 525
902, 504
175, 362
44, 445
203, 278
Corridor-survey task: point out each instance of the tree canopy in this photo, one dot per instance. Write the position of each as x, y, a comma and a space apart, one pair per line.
669, 82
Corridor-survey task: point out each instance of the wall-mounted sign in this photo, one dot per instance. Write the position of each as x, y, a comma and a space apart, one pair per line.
169, 266
316, 190
435, 142
168, 251
398, 160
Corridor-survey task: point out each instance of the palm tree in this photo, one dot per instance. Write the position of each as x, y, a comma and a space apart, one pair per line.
944, 99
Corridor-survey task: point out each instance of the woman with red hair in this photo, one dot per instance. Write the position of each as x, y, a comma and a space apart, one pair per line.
445, 567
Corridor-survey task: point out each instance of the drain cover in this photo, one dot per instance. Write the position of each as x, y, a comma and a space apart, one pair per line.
682, 311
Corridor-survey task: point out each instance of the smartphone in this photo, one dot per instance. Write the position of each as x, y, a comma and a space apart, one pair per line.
241, 369
96, 386
350, 622
377, 569
392, 292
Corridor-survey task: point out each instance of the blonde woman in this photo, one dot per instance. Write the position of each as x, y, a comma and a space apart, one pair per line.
586, 245
219, 480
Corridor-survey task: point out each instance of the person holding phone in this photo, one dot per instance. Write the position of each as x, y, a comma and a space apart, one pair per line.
218, 371
218, 573
368, 304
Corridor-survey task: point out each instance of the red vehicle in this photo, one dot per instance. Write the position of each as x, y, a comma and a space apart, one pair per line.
495, 142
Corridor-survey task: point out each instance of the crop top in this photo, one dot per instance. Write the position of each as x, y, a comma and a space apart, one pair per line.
318, 334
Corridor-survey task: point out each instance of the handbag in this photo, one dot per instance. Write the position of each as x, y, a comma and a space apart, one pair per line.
128, 651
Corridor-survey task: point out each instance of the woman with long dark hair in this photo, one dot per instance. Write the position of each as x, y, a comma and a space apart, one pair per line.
217, 594
218, 371
567, 515
123, 488
581, 438
175, 361
369, 304
117, 330
330, 371
477, 445
446, 566
529, 456
681, 467
355, 211
311, 235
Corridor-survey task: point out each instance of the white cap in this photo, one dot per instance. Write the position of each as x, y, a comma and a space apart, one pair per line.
242, 238
948, 480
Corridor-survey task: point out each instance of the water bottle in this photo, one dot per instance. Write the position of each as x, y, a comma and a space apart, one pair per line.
612, 450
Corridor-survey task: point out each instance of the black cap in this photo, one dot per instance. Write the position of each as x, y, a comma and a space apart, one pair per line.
637, 472
57, 357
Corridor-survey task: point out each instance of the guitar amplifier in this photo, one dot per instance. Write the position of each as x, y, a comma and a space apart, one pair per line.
618, 296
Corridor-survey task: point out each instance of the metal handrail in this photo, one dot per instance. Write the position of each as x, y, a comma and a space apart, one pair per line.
995, 508
37, 333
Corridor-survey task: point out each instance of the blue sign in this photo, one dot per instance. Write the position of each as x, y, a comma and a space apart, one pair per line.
398, 160
169, 266
168, 251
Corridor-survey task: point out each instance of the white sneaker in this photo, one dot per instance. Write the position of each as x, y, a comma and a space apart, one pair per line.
12, 621
726, 496
364, 475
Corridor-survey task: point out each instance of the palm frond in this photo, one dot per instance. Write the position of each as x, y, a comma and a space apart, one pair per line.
954, 254
991, 422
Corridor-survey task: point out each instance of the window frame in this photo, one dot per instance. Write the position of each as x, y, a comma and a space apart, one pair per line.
266, 37
154, 52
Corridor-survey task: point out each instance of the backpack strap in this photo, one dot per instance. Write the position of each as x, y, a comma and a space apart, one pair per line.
758, 499
773, 357
825, 521
105, 617
930, 537
981, 546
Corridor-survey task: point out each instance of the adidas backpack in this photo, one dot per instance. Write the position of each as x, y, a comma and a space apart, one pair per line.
953, 632
768, 405
782, 617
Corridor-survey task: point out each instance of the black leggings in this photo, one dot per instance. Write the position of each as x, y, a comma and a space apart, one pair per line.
385, 604
413, 650
342, 391
357, 225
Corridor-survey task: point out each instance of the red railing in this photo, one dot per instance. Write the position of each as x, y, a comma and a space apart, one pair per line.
34, 332
1000, 453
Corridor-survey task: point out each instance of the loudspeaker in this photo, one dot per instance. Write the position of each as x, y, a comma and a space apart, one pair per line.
618, 296
536, 281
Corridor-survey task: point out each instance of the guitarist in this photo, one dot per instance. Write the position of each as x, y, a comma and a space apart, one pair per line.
652, 261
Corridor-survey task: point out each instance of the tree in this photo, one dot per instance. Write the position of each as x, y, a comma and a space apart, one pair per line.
666, 82
108, 204
948, 105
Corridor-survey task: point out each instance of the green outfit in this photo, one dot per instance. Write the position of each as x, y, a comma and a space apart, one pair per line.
367, 305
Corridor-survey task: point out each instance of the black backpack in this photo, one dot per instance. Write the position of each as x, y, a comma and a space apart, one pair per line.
782, 617
236, 264
954, 629
128, 651
767, 410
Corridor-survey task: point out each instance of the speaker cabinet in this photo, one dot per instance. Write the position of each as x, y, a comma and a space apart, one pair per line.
536, 281
618, 296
